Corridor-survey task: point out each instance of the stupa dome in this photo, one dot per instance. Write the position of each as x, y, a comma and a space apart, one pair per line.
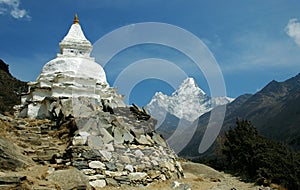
73, 61
72, 74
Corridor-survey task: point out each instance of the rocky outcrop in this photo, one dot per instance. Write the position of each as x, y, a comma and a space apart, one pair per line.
140, 114
4, 67
10, 89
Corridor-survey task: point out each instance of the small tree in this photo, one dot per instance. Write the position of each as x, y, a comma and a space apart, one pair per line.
239, 147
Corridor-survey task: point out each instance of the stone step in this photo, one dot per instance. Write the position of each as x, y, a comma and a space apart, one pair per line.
43, 188
9, 186
11, 179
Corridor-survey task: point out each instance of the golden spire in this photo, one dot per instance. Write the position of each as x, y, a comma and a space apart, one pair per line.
76, 21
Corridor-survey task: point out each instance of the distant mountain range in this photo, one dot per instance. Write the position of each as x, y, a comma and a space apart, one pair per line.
10, 87
274, 111
188, 102
176, 114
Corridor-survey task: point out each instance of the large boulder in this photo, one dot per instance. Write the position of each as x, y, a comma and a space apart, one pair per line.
69, 179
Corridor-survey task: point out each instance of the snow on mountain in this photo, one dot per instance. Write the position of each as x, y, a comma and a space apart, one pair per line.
188, 102
217, 101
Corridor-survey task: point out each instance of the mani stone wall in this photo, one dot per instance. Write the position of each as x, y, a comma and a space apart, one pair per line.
116, 146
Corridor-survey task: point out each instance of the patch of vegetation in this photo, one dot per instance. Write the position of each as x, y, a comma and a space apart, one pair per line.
252, 156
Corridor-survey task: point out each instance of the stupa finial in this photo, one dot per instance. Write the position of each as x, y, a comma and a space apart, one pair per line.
76, 21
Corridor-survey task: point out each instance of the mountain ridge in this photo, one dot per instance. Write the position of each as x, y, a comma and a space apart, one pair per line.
188, 102
274, 111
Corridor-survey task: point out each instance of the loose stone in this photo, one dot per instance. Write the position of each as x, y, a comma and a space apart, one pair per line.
97, 165
137, 176
100, 183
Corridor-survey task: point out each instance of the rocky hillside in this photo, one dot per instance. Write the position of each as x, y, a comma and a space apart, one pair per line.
275, 111
10, 87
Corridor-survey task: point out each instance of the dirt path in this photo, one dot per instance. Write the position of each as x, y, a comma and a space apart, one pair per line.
200, 177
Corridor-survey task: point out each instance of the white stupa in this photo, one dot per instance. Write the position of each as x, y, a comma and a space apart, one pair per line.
73, 73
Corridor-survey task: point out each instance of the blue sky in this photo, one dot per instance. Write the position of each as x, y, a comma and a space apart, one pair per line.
253, 41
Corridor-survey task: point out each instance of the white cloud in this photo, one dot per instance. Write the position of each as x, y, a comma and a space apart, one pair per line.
258, 51
13, 7
2, 10
214, 43
293, 30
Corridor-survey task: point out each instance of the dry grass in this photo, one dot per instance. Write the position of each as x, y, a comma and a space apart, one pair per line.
4, 128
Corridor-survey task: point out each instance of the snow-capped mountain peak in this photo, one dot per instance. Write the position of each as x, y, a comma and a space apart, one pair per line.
189, 82
188, 86
188, 102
